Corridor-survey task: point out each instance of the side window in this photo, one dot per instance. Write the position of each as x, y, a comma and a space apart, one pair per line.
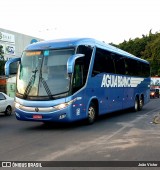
130, 67
78, 76
145, 70
78, 80
119, 64
103, 62
2, 97
109, 63
138, 69
142, 70
87, 51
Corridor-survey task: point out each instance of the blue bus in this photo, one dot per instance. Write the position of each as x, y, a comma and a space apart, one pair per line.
67, 80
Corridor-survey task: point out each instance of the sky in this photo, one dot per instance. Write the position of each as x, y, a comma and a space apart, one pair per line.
105, 20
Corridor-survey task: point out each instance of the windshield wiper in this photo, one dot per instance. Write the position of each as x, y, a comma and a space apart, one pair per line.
30, 84
46, 87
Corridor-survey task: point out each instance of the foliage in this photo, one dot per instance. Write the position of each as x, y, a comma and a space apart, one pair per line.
147, 47
1, 53
2, 62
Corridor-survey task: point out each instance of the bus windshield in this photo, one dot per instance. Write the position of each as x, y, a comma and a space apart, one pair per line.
43, 73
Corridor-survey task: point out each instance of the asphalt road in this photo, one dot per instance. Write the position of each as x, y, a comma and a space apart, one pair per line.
121, 136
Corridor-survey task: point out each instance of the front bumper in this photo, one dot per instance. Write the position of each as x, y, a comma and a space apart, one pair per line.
41, 115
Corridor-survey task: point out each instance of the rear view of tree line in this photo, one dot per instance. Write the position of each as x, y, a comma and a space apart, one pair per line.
147, 47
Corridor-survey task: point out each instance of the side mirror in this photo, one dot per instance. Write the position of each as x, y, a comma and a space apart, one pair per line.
71, 62
11, 66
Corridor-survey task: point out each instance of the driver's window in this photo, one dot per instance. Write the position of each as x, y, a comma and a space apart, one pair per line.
78, 76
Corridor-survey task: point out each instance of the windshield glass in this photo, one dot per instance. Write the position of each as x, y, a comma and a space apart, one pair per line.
43, 73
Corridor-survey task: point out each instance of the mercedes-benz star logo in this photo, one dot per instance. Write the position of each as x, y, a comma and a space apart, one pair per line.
36, 109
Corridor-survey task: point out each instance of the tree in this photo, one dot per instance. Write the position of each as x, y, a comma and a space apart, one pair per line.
152, 54
2, 62
1, 53
147, 47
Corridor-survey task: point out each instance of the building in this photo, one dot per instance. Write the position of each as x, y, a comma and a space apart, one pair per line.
13, 44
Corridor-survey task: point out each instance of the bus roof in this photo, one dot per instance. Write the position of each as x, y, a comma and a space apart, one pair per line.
73, 42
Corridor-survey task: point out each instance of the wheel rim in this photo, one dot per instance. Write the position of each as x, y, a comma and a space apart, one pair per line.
8, 111
91, 114
140, 103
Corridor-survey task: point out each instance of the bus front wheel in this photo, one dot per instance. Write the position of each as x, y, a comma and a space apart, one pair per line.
91, 114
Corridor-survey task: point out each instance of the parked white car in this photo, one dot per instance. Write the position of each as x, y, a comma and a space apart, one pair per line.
6, 104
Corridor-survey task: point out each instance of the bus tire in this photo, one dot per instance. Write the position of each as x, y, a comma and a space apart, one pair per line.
140, 104
91, 114
136, 105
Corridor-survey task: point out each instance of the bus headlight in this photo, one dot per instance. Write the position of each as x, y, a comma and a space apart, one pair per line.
17, 105
63, 105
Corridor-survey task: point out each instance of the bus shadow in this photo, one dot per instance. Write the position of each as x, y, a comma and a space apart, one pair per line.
120, 114
114, 116
57, 126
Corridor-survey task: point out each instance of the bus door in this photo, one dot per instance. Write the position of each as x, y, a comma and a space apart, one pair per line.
81, 70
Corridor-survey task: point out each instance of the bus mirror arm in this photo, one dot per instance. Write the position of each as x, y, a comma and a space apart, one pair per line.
7, 66
71, 62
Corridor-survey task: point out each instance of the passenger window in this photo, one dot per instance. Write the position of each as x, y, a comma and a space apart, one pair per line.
130, 67
119, 64
103, 62
145, 70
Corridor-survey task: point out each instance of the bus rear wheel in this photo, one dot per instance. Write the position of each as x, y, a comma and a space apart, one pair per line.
91, 114
140, 106
136, 105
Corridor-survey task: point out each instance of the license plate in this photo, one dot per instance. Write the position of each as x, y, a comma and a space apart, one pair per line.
37, 116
